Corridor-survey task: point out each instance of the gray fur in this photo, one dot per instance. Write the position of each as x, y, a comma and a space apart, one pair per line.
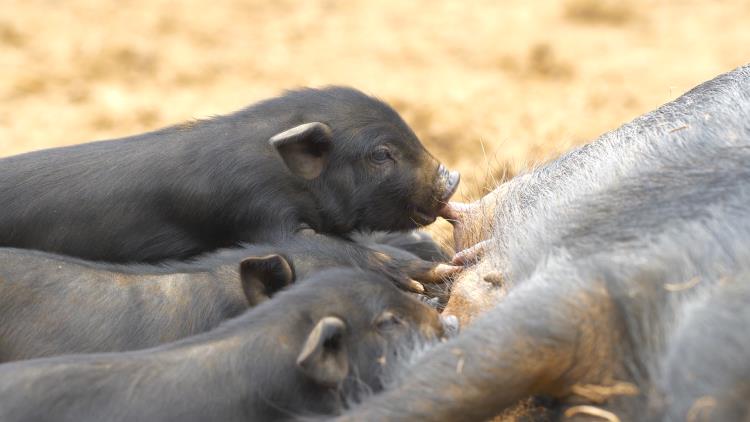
242, 370
52, 304
628, 259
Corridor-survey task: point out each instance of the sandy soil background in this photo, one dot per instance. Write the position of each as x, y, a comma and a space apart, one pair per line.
489, 86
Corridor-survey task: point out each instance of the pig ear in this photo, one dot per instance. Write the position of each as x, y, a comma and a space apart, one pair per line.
304, 148
323, 357
263, 276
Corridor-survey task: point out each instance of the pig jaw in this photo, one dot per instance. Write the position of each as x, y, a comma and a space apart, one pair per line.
444, 186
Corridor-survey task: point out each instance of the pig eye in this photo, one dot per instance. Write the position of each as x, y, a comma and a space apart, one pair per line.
381, 155
388, 320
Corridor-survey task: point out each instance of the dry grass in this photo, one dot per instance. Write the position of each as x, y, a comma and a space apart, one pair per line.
489, 86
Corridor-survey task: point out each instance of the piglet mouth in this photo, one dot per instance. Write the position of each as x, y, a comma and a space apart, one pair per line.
423, 217
446, 185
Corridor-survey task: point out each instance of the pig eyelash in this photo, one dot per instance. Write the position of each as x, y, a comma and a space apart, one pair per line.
381, 154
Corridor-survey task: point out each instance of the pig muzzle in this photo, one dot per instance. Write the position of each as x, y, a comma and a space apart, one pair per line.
447, 182
450, 324
446, 185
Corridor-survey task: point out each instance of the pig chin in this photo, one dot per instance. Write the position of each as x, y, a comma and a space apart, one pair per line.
422, 218
425, 211
444, 186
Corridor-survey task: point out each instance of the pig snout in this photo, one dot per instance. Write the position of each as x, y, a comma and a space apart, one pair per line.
447, 183
450, 325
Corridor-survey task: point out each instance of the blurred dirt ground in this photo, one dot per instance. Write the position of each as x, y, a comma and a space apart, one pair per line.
489, 86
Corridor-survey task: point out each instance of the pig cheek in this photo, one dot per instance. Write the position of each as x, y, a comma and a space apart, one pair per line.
380, 170
381, 181
375, 359
419, 190
429, 182
428, 324
417, 184
431, 330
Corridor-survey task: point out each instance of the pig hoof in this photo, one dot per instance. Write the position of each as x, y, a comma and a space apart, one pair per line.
443, 272
411, 285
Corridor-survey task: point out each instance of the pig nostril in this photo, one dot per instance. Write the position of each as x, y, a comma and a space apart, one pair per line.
454, 178
449, 182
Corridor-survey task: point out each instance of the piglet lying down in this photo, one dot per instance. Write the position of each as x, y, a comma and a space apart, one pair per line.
316, 345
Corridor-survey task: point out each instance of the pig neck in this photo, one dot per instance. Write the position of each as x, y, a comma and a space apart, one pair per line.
212, 282
200, 300
249, 362
288, 200
239, 371
336, 214
176, 305
213, 285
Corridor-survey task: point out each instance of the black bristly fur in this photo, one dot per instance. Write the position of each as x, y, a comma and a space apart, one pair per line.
187, 189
